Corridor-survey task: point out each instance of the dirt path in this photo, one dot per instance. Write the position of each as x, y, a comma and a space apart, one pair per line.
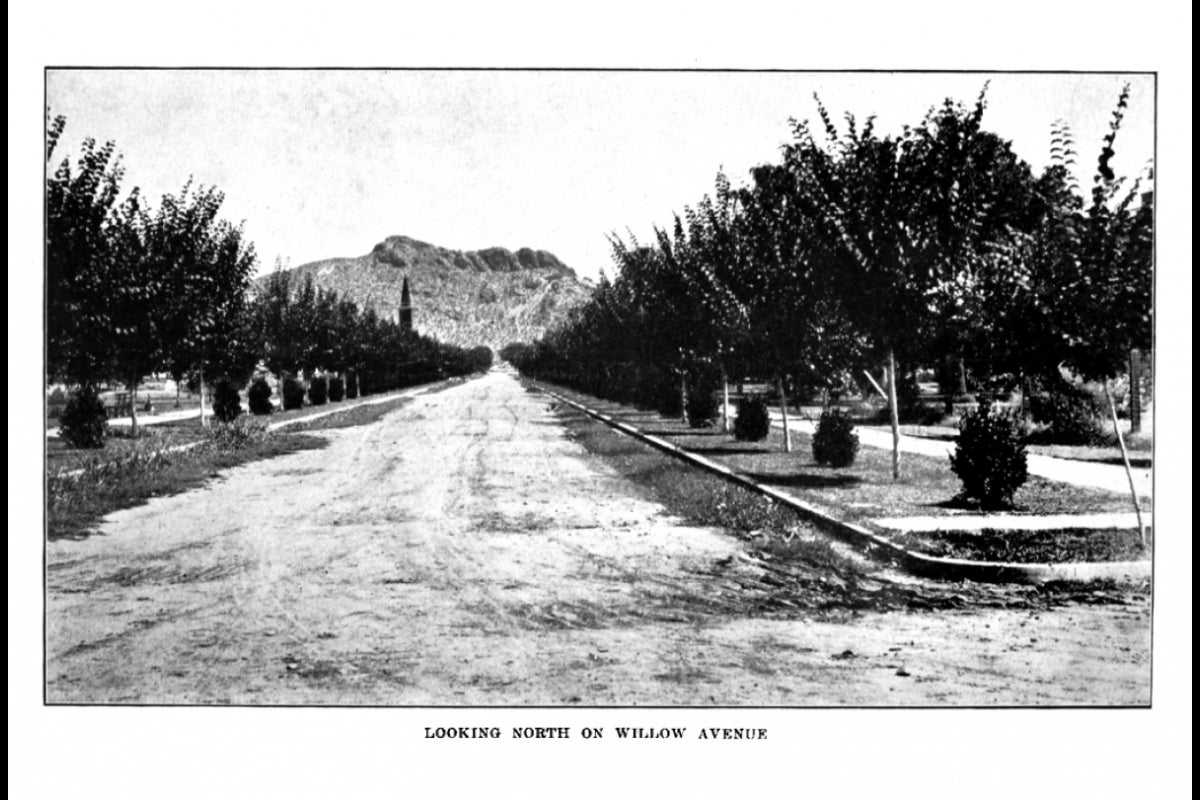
463, 551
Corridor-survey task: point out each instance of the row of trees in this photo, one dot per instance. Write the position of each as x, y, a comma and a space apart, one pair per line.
133, 290
303, 330
857, 250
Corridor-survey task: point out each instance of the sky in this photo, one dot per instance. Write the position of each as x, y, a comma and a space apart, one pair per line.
322, 164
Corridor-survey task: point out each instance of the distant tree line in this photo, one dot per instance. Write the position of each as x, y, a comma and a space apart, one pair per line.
858, 250
302, 330
133, 290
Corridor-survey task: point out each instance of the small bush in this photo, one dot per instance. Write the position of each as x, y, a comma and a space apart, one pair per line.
337, 389
318, 391
1073, 415
989, 458
663, 396
84, 423
236, 435
293, 394
351, 385
752, 423
835, 444
259, 397
702, 407
227, 405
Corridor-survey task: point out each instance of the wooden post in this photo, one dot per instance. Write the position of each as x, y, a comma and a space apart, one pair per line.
787, 433
1137, 506
875, 383
1135, 391
894, 407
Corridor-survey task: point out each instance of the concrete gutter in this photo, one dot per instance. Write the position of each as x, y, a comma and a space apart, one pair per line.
877, 546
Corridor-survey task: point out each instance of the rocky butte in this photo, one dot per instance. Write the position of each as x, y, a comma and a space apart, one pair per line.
492, 296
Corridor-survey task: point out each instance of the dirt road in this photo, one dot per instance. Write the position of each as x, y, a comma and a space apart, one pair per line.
463, 551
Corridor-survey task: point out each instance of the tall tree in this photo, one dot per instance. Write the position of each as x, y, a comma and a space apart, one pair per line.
909, 216
1102, 297
81, 203
201, 268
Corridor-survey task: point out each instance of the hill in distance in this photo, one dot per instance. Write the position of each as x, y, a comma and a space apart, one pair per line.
491, 297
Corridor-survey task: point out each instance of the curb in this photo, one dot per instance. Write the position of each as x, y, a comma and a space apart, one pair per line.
912, 561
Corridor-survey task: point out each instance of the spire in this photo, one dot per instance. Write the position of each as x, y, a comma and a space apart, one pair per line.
406, 314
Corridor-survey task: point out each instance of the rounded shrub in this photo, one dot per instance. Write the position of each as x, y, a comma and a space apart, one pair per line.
702, 407
337, 389
259, 397
84, 423
293, 394
227, 405
835, 444
1073, 415
351, 385
752, 423
318, 391
989, 458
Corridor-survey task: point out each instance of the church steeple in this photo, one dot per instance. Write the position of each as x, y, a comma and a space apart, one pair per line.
406, 313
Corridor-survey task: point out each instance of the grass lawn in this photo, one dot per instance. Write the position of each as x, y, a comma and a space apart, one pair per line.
128, 471
865, 491
788, 567
75, 505
1042, 547
151, 438
61, 456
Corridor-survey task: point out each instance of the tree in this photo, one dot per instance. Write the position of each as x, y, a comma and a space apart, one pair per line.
718, 267
271, 311
797, 325
202, 267
1101, 268
910, 221
80, 206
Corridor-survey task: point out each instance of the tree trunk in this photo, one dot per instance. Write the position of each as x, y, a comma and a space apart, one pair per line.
787, 433
203, 419
1137, 507
724, 401
683, 415
894, 407
133, 424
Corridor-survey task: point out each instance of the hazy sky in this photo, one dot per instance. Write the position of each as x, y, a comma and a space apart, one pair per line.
326, 163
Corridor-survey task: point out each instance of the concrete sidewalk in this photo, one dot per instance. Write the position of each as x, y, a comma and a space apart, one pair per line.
1109, 477
143, 419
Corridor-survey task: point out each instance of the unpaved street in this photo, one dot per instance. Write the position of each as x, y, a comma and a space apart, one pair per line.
464, 551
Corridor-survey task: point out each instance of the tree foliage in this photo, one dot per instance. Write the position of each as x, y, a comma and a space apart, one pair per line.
934, 245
